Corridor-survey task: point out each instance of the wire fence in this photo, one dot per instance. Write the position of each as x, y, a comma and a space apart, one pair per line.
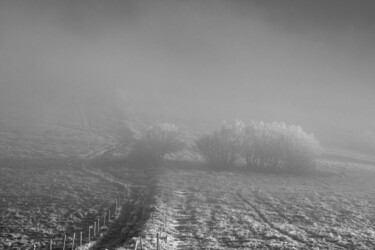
91, 229
94, 230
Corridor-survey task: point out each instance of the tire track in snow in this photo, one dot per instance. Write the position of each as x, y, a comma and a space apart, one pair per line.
270, 224
310, 233
181, 218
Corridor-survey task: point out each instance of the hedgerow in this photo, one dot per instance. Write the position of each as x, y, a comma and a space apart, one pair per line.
277, 146
262, 146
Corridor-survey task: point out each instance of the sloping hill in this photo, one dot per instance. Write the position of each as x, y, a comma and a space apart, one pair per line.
30, 139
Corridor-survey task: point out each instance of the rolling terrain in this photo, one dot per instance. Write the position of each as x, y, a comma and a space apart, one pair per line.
54, 184
223, 210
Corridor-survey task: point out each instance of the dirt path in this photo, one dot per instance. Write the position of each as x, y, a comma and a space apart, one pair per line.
201, 218
218, 210
136, 202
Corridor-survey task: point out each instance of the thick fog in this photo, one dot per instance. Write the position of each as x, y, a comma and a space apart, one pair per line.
303, 62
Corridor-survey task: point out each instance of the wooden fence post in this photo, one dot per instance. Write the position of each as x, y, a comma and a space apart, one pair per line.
74, 237
94, 229
98, 225
104, 219
80, 238
109, 215
64, 242
140, 242
165, 219
50, 244
157, 241
166, 242
89, 233
125, 185
136, 245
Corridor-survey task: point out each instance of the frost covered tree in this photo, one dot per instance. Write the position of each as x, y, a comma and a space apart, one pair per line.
220, 149
157, 142
272, 146
276, 146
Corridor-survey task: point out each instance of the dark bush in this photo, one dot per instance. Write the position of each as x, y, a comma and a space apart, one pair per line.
220, 149
157, 142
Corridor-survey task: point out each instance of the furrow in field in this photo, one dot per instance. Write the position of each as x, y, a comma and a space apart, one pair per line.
265, 199
210, 225
229, 211
182, 221
247, 220
271, 224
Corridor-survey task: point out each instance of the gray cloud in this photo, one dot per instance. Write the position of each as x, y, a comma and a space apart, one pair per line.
306, 62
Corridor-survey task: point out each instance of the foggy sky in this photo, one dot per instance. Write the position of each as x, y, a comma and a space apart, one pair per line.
304, 62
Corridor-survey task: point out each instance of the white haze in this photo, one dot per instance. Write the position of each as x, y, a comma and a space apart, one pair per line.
303, 62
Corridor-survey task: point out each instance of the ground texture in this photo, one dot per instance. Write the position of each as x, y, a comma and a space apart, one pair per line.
189, 208
221, 210
58, 180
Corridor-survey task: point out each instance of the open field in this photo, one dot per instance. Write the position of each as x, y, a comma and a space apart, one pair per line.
194, 208
45, 199
36, 140
222, 210
187, 125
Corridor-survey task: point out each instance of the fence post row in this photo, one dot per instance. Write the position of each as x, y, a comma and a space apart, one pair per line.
95, 227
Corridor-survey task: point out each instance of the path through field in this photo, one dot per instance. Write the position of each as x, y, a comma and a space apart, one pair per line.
190, 208
222, 210
43, 200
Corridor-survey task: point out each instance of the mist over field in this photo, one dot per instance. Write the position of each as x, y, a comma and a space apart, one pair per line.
200, 124
303, 62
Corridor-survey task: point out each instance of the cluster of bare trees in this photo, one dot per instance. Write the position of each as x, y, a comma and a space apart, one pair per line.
262, 146
157, 142
220, 149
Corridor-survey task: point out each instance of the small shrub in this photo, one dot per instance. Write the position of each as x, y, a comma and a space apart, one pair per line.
220, 149
157, 142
